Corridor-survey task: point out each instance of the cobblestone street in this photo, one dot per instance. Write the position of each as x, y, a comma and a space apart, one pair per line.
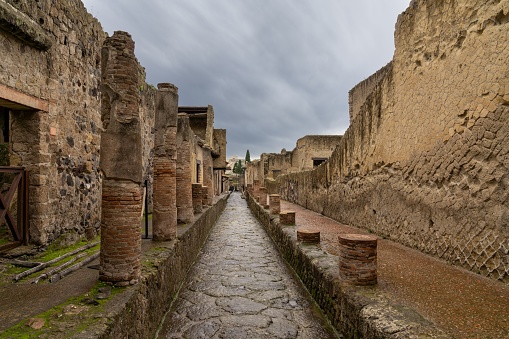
240, 288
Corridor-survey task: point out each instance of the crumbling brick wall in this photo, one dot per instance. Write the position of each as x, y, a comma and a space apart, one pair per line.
425, 160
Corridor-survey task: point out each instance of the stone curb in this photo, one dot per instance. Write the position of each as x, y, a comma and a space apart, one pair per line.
354, 311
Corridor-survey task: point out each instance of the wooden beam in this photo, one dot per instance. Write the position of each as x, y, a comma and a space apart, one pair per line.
16, 100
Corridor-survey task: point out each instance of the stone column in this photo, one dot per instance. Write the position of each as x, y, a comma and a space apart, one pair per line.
274, 204
208, 178
197, 198
205, 196
185, 212
164, 216
262, 193
357, 258
121, 163
256, 188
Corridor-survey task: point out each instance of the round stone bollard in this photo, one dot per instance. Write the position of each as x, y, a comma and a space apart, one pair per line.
357, 259
287, 218
308, 236
274, 204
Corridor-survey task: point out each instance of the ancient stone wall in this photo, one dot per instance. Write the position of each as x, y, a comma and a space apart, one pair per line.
51, 51
59, 146
357, 95
277, 164
313, 147
425, 160
219, 147
308, 149
219, 160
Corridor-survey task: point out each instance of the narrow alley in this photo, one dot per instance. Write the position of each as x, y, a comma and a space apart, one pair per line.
240, 288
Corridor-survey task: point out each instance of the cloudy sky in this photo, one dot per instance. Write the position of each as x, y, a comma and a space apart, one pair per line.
274, 70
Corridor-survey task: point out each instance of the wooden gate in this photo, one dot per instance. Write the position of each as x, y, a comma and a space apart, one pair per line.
17, 226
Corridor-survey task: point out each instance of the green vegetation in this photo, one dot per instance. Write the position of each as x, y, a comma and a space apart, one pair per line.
83, 319
55, 250
248, 157
237, 168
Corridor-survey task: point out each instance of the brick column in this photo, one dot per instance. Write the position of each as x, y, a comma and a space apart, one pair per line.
287, 218
357, 258
120, 162
262, 193
308, 236
185, 211
274, 204
164, 217
205, 196
120, 232
208, 178
256, 188
249, 190
197, 198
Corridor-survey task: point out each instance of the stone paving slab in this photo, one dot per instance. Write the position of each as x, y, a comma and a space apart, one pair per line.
240, 288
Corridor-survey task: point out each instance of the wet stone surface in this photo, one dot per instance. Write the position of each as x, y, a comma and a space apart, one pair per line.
240, 288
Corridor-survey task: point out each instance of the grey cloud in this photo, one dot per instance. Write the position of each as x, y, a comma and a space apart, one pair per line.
273, 70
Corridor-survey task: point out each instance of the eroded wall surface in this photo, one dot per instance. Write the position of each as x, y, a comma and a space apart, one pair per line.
313, 147
54, 55
63, 165
425, 160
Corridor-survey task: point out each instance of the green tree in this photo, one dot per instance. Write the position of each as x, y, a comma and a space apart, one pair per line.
248, 156
237, 168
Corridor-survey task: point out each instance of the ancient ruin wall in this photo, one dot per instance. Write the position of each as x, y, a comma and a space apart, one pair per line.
60, 147
357, 95
425, 161
311, 147
54, 55
219, 147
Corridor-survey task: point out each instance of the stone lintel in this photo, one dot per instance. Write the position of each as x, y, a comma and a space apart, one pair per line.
19, 101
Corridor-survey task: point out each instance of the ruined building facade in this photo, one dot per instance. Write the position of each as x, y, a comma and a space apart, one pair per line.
74, 127
309, 152
425, 160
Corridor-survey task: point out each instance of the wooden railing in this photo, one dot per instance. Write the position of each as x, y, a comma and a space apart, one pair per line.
18, 226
